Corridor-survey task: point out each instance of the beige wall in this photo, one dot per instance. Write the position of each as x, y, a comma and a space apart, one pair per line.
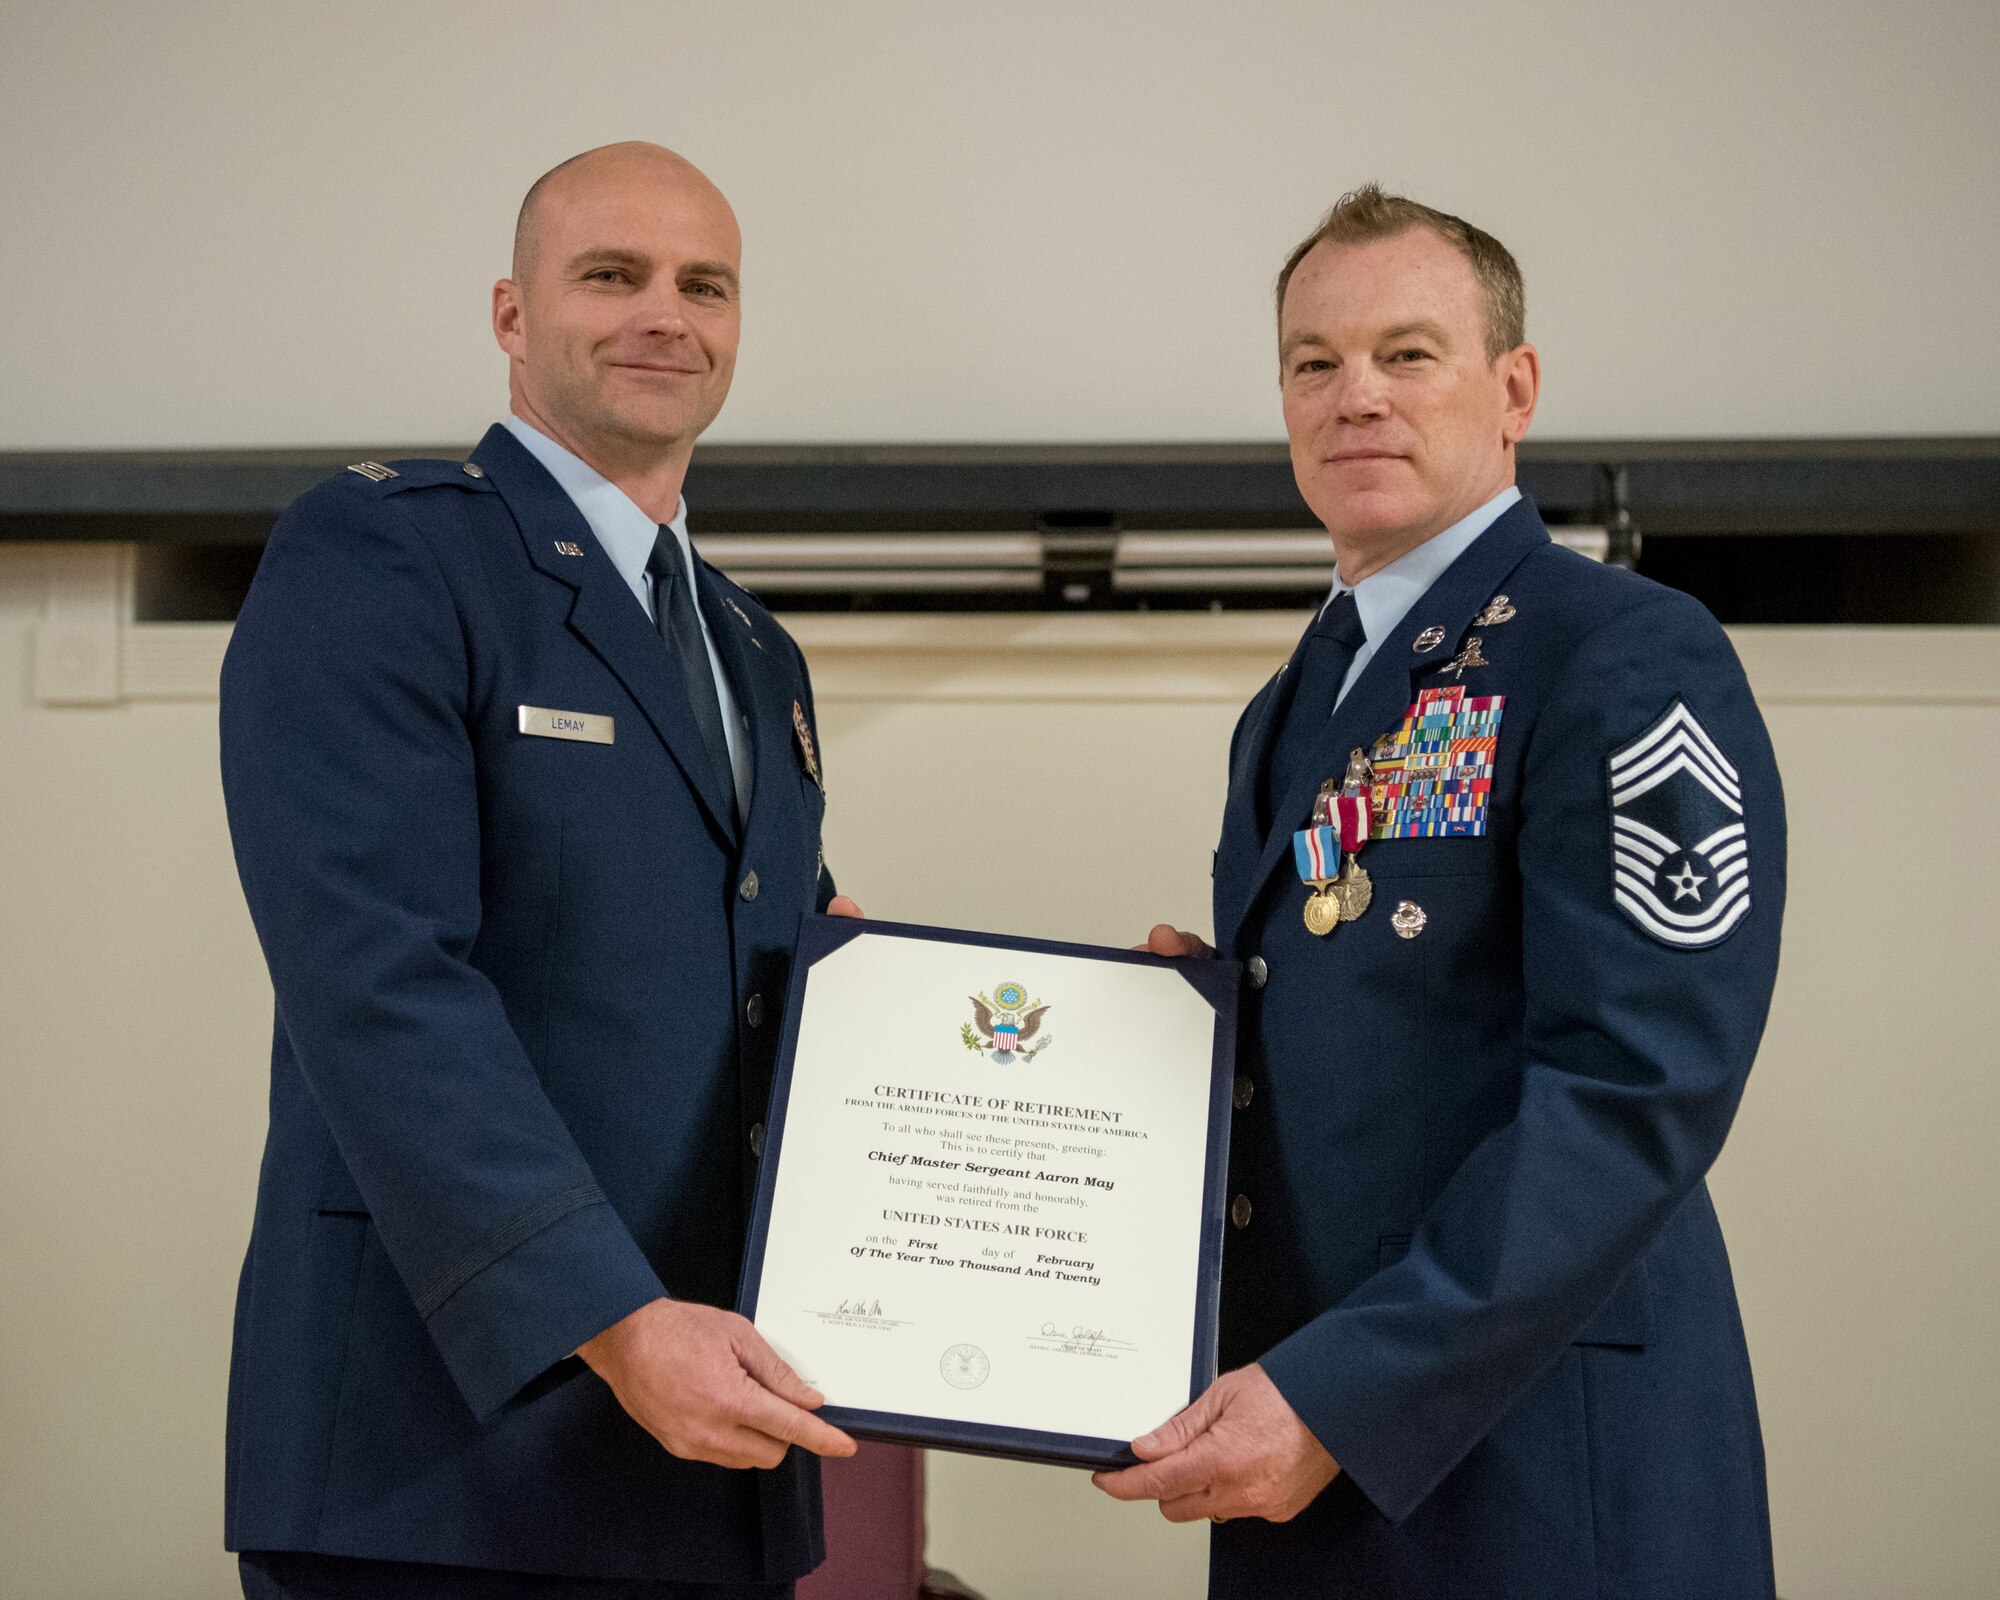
232, 222
134, 1039
1857, 1191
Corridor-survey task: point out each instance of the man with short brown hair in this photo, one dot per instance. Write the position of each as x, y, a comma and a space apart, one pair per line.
1488, 859
1369, 213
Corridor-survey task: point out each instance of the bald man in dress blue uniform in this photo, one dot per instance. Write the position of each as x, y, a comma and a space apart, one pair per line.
1503, 857
526, 801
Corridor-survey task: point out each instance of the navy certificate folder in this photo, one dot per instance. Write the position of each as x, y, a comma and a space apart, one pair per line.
1007, 1026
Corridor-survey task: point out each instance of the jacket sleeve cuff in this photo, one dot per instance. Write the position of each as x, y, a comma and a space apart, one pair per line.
521, 1314
1356, 1432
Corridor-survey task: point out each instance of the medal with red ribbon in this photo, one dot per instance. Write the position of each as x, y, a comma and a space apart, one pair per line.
1328, 852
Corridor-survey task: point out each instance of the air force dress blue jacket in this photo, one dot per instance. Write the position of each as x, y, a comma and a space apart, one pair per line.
528, 967
1474, 1248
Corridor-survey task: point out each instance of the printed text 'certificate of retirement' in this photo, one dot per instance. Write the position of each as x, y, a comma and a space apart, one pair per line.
989, 1213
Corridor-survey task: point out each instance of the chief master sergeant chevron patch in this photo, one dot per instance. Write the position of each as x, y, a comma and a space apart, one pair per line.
1680, 860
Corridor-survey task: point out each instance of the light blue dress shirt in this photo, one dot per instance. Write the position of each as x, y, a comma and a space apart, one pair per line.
627, 535
1384, 598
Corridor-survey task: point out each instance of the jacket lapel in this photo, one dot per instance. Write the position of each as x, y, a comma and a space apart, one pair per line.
1385, 690
1242, 840
760, 684
605, 614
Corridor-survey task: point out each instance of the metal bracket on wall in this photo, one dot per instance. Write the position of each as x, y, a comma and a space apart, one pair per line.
86, 606
1079, 549
1614, 499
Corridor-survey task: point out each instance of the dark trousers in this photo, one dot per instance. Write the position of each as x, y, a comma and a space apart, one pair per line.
295, 1575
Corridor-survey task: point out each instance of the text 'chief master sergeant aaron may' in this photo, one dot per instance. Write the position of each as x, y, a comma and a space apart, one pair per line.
1503, 856
526, 802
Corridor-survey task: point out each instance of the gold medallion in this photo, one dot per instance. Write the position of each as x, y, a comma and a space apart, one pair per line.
1322, 909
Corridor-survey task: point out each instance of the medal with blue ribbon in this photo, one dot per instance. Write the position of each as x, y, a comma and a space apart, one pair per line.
1315, 850
1327, 852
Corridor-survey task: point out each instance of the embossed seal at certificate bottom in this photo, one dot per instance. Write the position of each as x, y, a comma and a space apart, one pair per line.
965, 1366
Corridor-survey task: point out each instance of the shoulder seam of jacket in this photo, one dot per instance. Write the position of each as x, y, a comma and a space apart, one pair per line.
495, 1245
1659, 595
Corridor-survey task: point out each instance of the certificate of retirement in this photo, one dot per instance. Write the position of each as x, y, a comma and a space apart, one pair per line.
989, 1209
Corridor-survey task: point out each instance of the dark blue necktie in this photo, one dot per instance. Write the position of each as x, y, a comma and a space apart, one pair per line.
674, 615
1323, 666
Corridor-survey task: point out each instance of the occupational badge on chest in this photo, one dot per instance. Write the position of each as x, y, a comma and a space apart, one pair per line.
1498, 610
1328, 851
808, 757
1466, 659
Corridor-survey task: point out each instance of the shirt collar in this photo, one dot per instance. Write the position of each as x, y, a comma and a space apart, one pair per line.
1384, 598
626, 533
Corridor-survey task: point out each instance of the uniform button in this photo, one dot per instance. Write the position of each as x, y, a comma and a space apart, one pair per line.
753, 1010
1246, 1091
1260, 974
756, 1138
1239, 1211
748, 887
474, 470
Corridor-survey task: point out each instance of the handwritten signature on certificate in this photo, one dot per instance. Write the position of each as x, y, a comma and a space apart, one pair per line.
863, 1311
1079, 1339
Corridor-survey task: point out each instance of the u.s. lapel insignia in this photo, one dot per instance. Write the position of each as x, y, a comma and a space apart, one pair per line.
743, 617
565, 547
1465, 660
806, 752
1428, 640
1498, 610
1680, 858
